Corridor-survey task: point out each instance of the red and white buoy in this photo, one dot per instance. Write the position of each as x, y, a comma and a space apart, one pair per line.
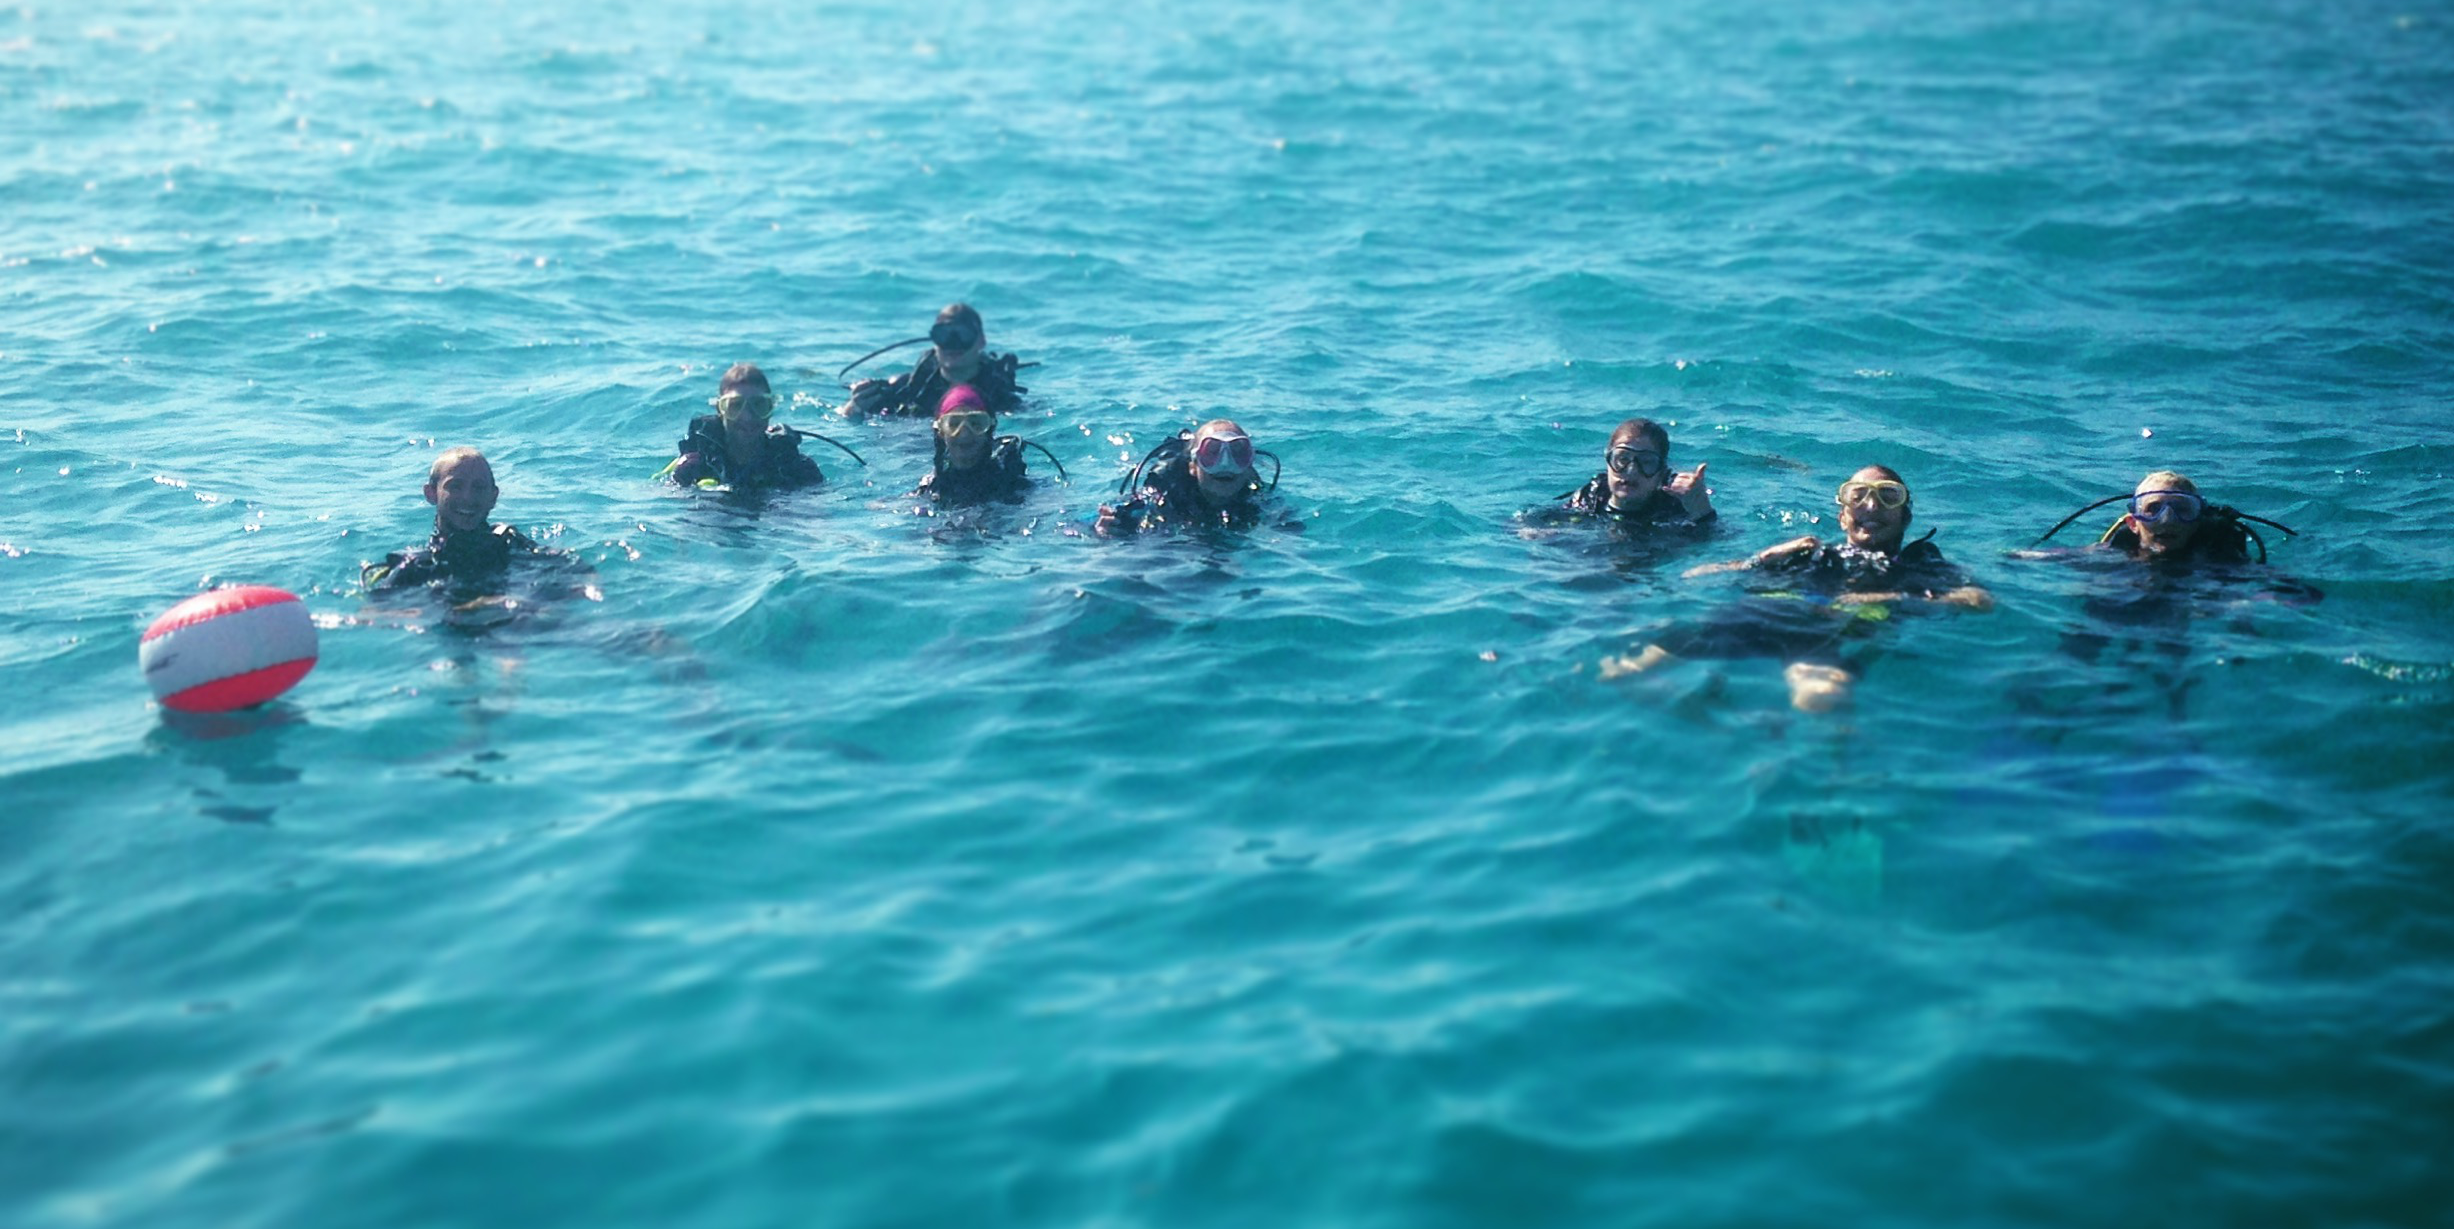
227, 649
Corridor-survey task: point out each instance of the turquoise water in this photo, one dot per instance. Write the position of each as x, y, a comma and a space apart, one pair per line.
844, 866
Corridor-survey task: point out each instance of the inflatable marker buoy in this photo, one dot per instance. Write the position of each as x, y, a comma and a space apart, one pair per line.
228, 649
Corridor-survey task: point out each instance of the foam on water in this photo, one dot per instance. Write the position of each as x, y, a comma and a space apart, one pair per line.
846, 865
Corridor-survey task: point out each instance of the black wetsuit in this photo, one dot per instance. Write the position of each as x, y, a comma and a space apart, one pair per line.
919, 390
1592, 501
1791, 617
2220, 539
1917, 569
2151, 600
778, 466
1171, 495
470, 559
998, 479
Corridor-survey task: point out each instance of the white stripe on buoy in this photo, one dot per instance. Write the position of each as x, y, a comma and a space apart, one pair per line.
228, 649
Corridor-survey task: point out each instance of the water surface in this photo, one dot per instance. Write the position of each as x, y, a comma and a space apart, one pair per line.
849, 866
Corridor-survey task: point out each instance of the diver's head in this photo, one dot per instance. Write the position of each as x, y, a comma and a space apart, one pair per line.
744, 400
1875, 508
1221, 460
1636, 462
959, 342
2164, 511
460, 484
965, 427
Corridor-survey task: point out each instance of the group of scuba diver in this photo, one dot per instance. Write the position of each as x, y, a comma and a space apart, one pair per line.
1812, 604
1209, 475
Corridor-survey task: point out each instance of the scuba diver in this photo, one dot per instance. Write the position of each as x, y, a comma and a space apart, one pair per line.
2168, 521
2169, 560
1847, 585
465, 552
735, 447
958, 354
1636, 488
1206, 476
970, 463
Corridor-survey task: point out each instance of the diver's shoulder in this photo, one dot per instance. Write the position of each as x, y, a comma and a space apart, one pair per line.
1923, 550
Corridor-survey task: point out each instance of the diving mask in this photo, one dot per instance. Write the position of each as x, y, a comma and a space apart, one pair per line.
1884, 492
2157, 507
966, 422
1643, 462
756, 405
1224, 456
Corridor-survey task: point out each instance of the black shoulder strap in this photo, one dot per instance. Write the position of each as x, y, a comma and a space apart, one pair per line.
1586, 487
2229, 535
1005, 365
916, 385
1168, 450
705, 430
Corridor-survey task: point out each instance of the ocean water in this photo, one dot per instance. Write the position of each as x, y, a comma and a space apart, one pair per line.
846, 866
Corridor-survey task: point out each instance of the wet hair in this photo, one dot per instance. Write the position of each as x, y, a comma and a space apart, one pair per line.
1645, 429
451, 457
2165, 480
744, 375
961, 313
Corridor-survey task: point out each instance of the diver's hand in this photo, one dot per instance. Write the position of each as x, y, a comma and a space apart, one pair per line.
1756, 560
1969, 597
868, 396
1694, 497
